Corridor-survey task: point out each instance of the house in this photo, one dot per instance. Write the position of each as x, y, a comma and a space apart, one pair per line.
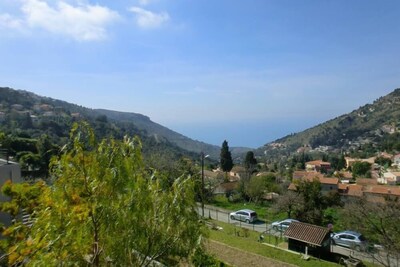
309, 239
350, 161
298, 175
396, 160
327, 184
8, 171
379, 193
318, 165
349, 191
391, 178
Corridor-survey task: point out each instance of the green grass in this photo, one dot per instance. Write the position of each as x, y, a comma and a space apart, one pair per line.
263, 210
250, 244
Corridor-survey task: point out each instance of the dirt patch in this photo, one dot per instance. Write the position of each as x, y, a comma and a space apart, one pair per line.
237, 257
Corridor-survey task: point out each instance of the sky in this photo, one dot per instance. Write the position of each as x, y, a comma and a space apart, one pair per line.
248, 72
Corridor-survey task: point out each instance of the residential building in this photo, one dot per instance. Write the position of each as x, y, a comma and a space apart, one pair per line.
8, 171
391, 178
350, 161
318, 165
396, 160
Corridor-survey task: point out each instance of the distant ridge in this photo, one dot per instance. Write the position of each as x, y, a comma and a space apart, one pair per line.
160, 132
365, 125
57, 117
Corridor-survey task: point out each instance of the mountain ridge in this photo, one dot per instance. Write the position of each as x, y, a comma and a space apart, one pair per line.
366, 125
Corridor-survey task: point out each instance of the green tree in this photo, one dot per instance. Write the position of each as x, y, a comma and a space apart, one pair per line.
46, 150
105, 208
226, 157
250, 162
377, 221
361, 169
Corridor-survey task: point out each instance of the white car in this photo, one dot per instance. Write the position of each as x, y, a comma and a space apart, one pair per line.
247, 216
282, 225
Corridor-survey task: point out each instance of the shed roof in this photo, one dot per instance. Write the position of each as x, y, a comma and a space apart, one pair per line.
307, 233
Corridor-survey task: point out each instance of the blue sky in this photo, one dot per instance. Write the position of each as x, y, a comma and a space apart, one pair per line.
245, 71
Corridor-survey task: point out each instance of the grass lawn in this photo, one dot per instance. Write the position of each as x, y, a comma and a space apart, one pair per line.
247, 241
263, 210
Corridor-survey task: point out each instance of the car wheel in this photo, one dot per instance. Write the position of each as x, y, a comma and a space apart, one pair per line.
232, 217
275, 228
247, 221
358, 248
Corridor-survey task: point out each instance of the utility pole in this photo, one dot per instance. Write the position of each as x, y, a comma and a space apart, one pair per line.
202, 182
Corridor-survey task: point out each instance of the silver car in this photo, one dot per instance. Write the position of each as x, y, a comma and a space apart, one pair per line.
282, 225
245, 215
350, 239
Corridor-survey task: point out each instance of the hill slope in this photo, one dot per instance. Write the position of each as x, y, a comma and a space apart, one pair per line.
23, 112
368, 124
160, 132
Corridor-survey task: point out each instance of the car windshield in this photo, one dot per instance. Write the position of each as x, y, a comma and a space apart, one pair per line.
253, 214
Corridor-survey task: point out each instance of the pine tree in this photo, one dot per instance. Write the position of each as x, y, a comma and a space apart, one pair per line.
226, 157
250, 161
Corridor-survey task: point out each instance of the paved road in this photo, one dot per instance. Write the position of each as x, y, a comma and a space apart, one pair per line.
222, 215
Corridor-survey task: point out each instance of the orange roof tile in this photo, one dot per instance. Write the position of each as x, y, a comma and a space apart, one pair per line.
327, 180
384, 190
318, 162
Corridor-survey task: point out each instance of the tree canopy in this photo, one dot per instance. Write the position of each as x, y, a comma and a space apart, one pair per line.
104, 208
226, 157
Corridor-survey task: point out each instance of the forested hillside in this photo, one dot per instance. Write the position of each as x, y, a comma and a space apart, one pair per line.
33, 128
373, 126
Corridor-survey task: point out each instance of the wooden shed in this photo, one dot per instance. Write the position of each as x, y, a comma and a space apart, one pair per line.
309, 239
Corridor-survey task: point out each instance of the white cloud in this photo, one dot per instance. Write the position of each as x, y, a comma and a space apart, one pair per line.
147, 19
8, 21
83, 22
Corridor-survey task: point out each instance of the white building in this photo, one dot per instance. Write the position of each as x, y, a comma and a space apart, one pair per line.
8, 171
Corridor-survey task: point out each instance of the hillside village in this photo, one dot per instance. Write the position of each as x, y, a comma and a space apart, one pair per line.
384, 180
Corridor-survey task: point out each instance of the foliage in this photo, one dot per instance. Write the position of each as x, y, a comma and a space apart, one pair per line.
202, 258
258, 186
382, 161
290, 202
250, 162
377, 221
104, 208
226, 157
310, 205
361, 169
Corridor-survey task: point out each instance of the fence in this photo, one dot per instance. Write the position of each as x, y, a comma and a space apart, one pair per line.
261, 226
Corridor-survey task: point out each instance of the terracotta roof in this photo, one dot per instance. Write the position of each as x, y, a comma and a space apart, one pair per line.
384, 190
351, 189
312, 175
299, 174
307, 233
329, 180
342, 186
318, 162
366, 181
292, 186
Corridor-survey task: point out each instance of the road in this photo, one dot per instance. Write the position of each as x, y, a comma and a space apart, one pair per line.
223, 216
